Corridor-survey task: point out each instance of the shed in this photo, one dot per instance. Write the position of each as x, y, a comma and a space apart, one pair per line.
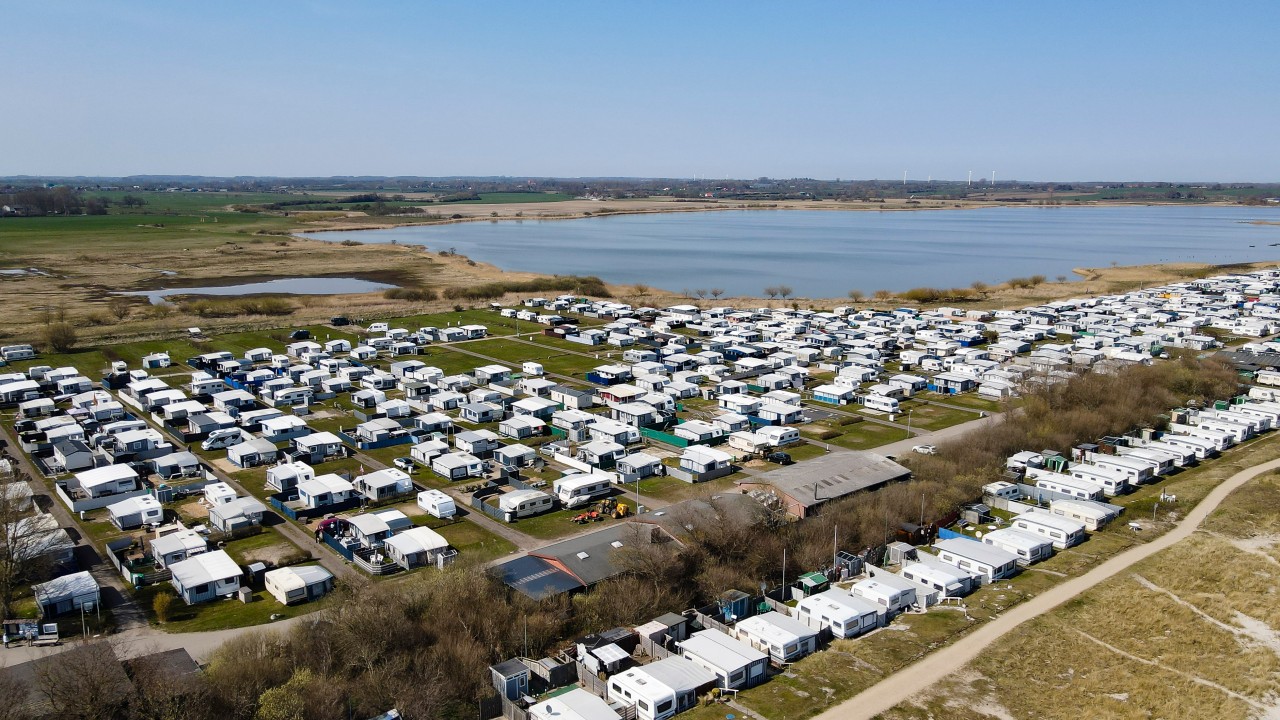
67, 593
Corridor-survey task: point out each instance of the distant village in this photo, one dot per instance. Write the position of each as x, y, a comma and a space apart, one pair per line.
234, 479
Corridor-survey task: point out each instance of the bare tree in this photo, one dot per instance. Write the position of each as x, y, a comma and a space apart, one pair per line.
717, 292
785, 291
857, 295
772, 291
27, 542
120, 307
1061, 278
701, 293
85, 682
641, 289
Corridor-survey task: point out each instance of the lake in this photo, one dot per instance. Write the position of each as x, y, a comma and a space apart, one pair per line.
285, 286
827, 253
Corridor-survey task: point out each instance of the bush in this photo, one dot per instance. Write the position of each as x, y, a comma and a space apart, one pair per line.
61, 337
923, 295
421, 294
272, 306
590, 285
161, 604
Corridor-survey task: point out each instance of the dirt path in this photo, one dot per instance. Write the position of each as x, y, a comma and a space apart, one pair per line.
917, 678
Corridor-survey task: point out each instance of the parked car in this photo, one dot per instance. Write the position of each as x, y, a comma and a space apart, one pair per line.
339, 321
405, 463
925, 449
300, 335
779, 457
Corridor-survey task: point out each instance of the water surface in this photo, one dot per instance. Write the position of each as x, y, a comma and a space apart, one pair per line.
827, 253
286, 286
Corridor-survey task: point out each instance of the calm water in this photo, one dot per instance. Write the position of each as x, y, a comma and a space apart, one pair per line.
290, 286
827, 253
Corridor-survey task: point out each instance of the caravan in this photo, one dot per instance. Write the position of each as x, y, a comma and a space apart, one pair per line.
578, 490
881, 403
525, 503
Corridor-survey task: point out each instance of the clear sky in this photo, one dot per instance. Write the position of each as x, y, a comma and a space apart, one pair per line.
1033, 90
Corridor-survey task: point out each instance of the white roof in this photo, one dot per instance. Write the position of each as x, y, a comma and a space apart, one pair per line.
1012, 537
775, 627
839, 605
456, 460
181, 540
976, 551
141, 503
105, 475
417, 539
1057, 522
315, 439
76, 586
325, 483
720, 650
577, 704
205, 568
296, 578
384, 477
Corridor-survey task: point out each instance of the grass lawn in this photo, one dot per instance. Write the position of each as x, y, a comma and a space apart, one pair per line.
265, 545
804, 451
865, 436
474, 542
934, 417
553, 524
969, 400
220, 614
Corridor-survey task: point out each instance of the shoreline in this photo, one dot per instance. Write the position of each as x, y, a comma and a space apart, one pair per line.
896, 206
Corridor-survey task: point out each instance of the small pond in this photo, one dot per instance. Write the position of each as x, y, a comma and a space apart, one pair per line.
282, 286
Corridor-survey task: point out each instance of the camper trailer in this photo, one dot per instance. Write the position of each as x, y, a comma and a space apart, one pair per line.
525, 503
577, 490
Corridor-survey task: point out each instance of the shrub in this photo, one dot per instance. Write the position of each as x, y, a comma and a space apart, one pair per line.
61, 336
590, 285
162, 604
420, 294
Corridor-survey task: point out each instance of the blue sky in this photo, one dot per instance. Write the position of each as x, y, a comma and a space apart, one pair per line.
1036, 91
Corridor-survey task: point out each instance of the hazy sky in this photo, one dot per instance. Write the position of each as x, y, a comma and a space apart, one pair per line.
1033, 90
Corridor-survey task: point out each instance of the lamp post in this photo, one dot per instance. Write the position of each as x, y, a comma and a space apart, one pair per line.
909, 412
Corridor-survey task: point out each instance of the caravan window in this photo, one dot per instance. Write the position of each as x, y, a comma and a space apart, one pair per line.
735, 677
643, 705
663, 706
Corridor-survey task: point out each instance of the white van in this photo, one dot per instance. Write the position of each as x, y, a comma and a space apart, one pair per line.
223, 438
578, 490
524, 503
379, 327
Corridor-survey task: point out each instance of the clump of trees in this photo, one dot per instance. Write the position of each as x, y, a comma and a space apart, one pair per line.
589, 285
271, 306
417, 294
